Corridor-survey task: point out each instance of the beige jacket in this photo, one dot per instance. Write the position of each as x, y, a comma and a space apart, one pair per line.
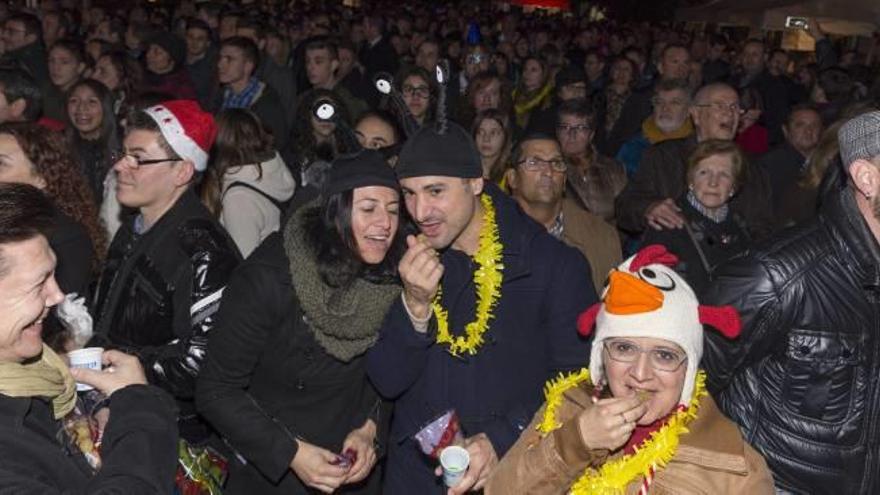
711, 459
596, 239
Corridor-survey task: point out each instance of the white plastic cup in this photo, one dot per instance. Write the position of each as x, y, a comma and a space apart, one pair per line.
455, 461
89, 357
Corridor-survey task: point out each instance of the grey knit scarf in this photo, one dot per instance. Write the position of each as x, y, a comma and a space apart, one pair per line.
345, 321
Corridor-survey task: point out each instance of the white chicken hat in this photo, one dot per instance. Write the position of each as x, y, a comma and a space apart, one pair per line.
645, 297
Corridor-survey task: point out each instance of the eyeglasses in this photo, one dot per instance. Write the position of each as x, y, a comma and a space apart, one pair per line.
657, 102
535, 164
580, 129
660, 358
418, 91
11, 30
721, 107
135, 162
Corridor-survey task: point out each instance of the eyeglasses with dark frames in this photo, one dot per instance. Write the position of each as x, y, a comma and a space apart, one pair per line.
135, 162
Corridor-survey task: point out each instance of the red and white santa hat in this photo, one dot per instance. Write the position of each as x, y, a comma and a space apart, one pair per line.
645, 297
189, 130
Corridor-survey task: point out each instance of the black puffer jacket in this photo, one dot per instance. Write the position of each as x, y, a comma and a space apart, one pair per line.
802, 379
158, 294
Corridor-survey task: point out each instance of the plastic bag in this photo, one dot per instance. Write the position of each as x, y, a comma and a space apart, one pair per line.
441, 432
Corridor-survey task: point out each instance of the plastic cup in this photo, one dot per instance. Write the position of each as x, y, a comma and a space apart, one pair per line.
455, 461
89, 357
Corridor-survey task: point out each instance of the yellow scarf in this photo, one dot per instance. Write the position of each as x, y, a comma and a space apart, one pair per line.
523, 105
46, 377
655, 135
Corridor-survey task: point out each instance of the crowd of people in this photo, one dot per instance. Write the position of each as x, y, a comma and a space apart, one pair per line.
301, 233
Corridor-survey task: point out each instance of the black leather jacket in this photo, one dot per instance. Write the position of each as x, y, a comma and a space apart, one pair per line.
803, 379
159, 291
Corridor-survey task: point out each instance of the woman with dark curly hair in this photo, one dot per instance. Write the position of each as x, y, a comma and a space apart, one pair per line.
31, 154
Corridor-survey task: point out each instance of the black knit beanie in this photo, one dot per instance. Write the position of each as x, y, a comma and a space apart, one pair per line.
450, 154
172, 44
361, 169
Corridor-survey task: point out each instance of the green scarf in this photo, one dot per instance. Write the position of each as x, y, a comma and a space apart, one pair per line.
344, 321
47, 377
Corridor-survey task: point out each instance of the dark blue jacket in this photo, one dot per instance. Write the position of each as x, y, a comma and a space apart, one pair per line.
532, 337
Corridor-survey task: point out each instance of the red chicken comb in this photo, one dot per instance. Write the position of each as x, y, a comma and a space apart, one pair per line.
653, 254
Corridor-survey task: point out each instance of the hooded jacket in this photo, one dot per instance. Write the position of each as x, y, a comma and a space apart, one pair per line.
248, 215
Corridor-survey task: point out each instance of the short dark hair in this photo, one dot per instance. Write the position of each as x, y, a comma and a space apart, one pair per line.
800, 107
30, 22
578, 107
673, 85
17, 84
516, 154
247, 46
73, 46
252, 23
198, 24
673, 46
323, 43
25, 213
139, 120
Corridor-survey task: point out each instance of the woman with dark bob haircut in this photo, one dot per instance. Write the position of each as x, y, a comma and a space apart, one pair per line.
284, 381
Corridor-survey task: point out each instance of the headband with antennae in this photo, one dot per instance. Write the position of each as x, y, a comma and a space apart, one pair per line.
384, 83
442, 81
325, 111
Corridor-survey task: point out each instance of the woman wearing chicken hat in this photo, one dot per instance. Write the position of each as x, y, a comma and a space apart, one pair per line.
640, 419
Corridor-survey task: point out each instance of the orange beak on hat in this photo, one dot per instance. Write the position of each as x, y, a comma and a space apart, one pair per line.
628, 295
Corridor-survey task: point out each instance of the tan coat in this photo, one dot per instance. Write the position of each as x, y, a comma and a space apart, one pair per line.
711, 459
596, 239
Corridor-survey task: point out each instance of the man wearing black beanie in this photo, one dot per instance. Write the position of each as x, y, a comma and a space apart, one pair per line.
487, 314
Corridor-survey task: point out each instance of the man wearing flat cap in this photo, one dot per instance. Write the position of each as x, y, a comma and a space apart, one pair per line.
488, 312
802, 379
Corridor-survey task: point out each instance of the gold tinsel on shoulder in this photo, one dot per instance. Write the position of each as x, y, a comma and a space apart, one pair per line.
487, 279
614, 476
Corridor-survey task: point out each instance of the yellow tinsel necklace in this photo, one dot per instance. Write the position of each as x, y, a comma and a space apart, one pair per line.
614, 476
487, 279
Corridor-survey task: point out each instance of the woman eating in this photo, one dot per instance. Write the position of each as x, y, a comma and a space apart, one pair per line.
640, 419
